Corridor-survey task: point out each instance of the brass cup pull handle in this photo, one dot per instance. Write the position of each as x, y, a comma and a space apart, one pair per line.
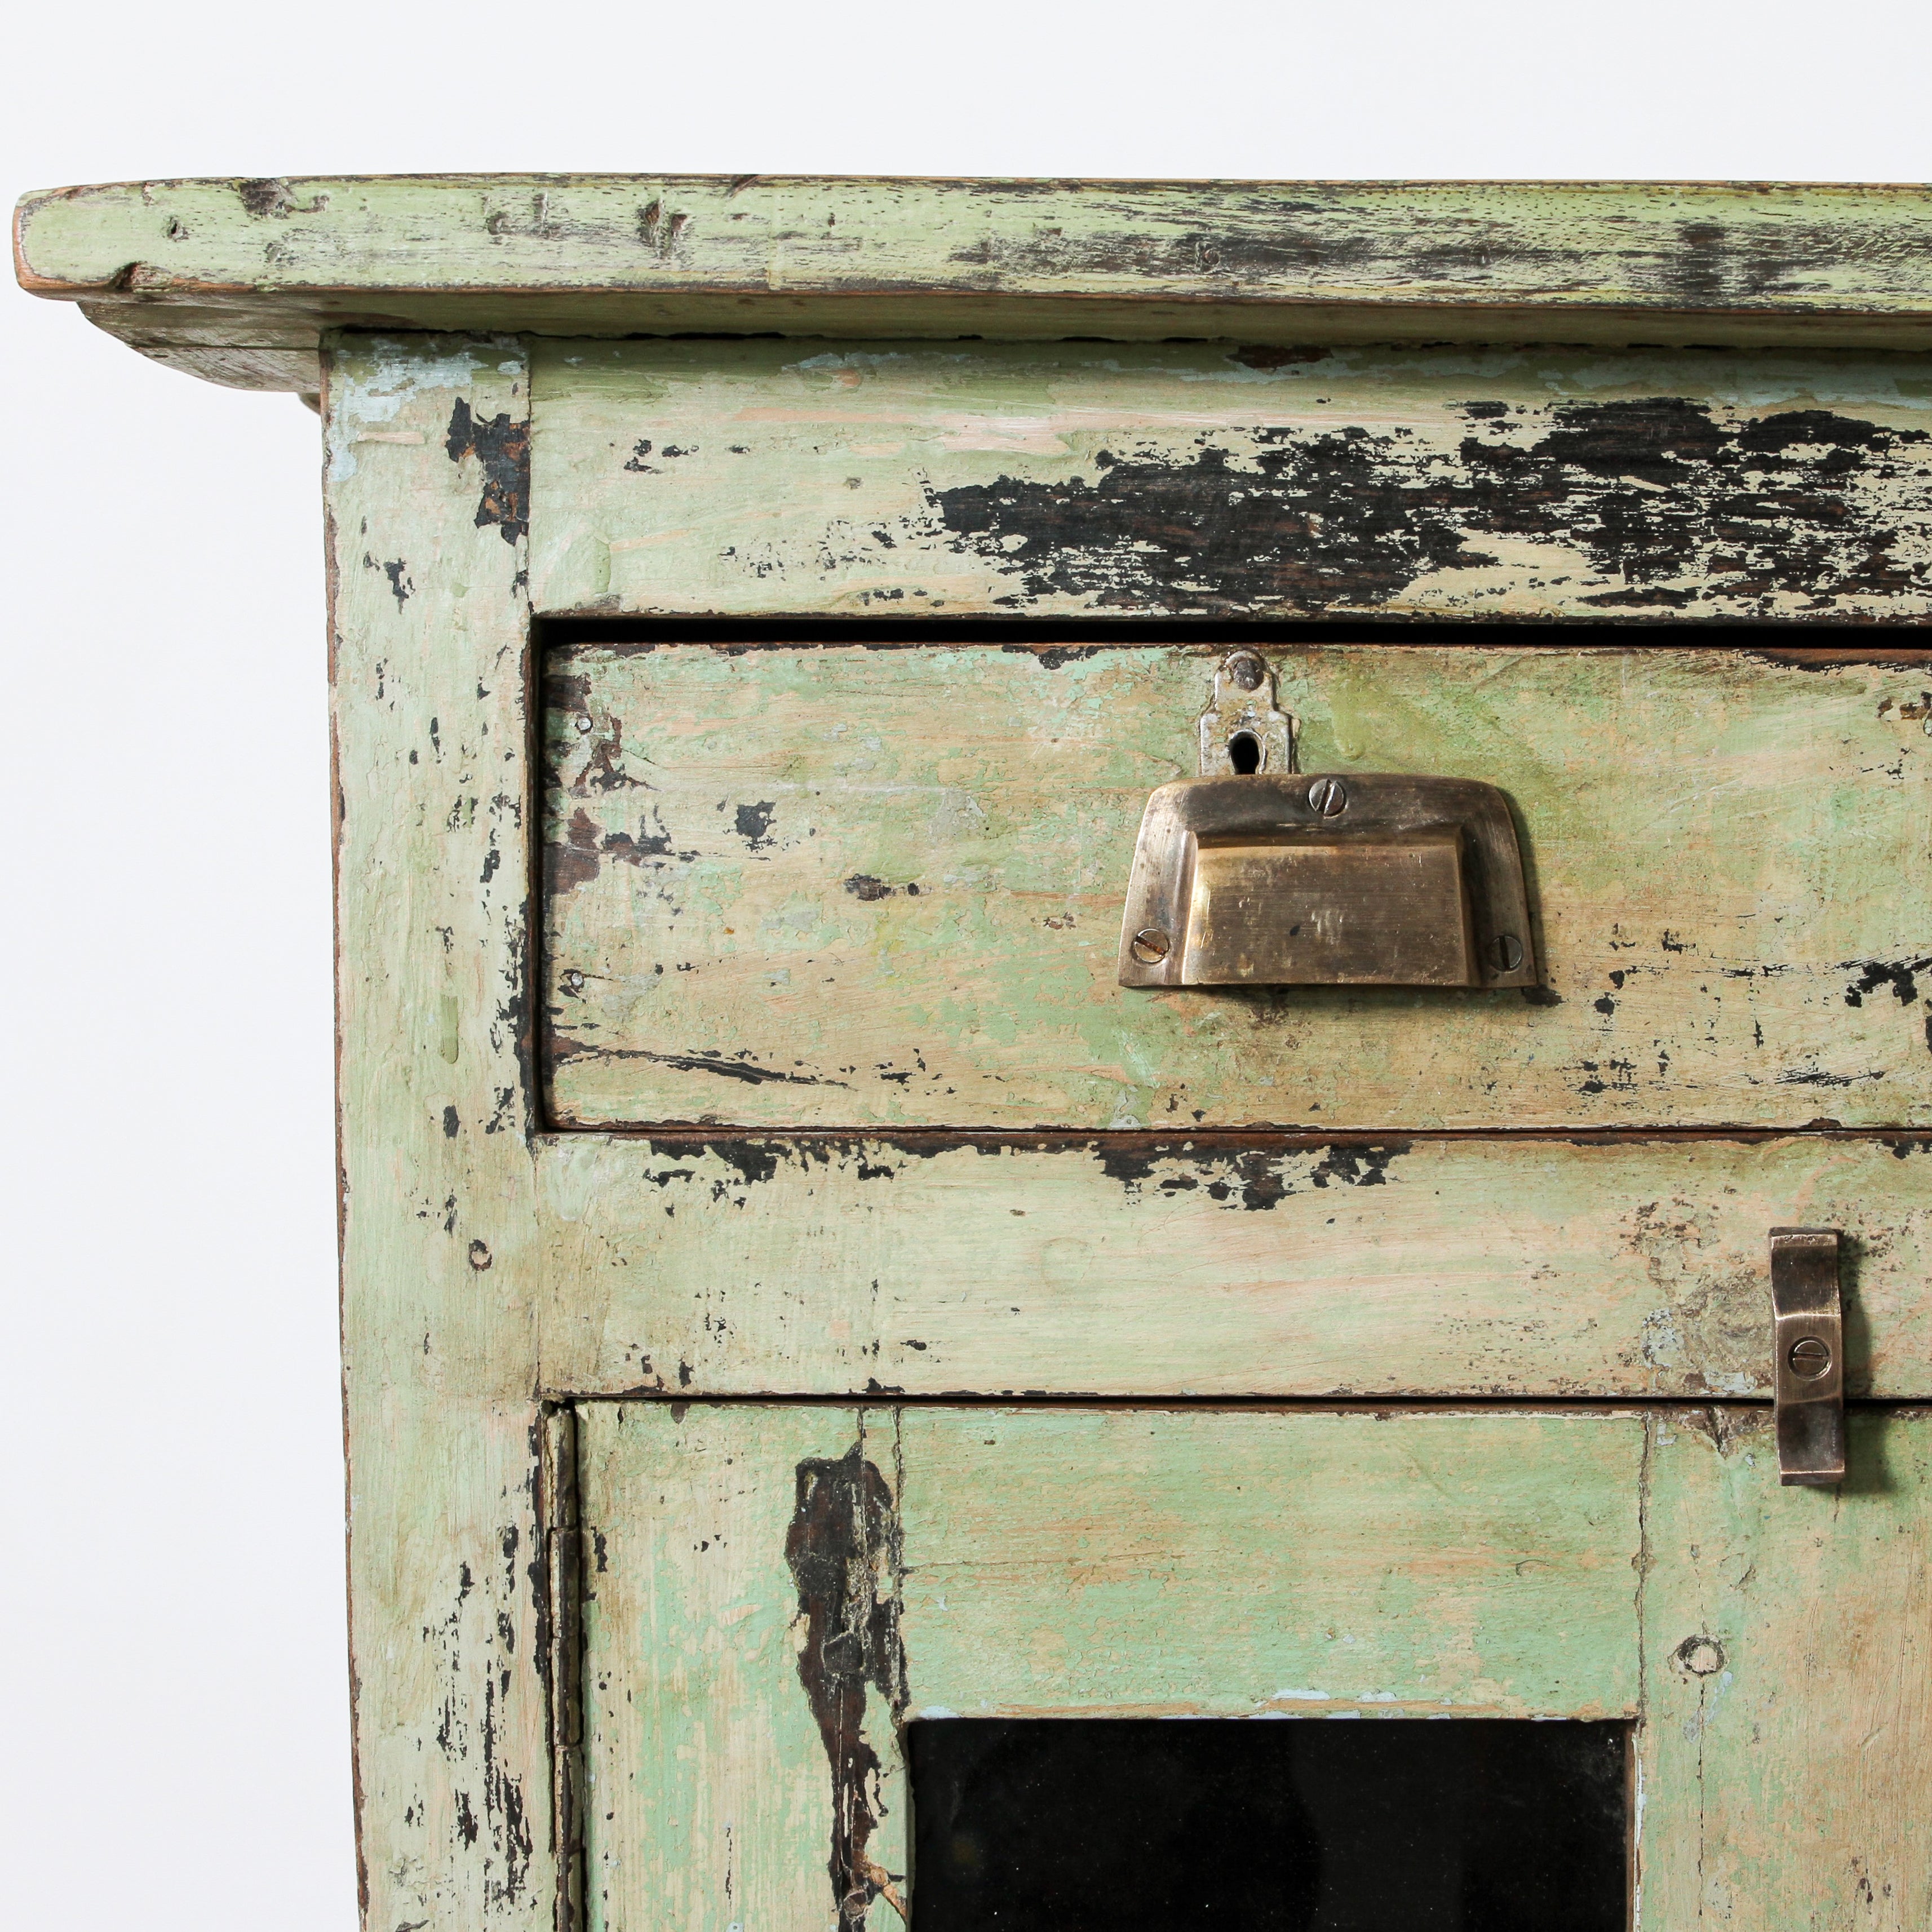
1296, 879
1807, 1356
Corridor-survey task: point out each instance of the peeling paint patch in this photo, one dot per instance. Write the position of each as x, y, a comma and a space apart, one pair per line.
863, 886
1899, 974
502, 445
753, 824
843, 1548
1256, 1180
1678, 504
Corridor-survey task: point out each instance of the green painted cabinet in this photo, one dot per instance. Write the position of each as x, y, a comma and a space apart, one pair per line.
796, 1300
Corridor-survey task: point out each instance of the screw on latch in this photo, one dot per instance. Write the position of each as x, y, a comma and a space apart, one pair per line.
1810, 1357
1246, 669
1150, 946
1508, 952
1327, 797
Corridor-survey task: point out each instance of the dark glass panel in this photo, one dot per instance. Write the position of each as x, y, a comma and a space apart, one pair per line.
1310, 1825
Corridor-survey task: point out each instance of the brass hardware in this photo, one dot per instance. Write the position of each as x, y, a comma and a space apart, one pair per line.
1249, 875
1377, 880
1243, 708
1383, 881
1807, 1356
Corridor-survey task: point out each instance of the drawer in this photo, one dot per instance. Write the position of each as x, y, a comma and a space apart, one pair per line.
785, 1604
880, 884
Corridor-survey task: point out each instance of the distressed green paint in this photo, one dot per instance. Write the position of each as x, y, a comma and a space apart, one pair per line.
1226, 1565
1523, 1268
858, 887
774, 234
1066, 1563
1726, 848
829, 479
1787, 1758
438, 1230
238, 281
709, 1793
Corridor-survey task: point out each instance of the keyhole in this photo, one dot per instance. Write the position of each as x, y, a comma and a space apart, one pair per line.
1244, 752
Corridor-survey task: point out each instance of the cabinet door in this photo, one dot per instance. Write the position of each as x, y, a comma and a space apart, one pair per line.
779, 1597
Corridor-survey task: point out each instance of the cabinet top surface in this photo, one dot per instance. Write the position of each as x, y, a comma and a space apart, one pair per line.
206, 273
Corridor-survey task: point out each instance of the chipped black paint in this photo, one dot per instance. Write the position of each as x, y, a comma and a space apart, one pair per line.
842, 1546
753, 1163
863, 886
1358, 1166
1055, 657
566, 1046
753, 824
503, 447
1655, 492
1257, 1178
1901, 975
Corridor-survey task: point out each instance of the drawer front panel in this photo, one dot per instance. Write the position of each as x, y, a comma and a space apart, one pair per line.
773, 1590
1201, 478
1524, 1268
849, 886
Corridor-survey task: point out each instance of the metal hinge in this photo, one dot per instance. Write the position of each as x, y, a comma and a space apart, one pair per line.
1807, 1356
563, 1654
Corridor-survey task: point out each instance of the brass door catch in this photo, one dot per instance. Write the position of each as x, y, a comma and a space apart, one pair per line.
1254, 875
1808, 1358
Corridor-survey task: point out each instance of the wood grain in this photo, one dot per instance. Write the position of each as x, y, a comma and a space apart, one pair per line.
849, 886
258, 264
1527, 1268
438, 1230
1787, 1752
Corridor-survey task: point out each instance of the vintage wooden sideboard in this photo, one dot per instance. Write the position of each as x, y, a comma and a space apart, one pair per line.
825, 1305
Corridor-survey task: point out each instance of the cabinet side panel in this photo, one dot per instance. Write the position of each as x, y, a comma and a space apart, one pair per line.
427, 495
1787, 1753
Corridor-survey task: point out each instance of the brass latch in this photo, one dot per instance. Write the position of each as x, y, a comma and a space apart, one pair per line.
1807, 1360
1256, 874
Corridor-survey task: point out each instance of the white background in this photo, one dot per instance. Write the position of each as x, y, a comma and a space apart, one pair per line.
174, 1733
